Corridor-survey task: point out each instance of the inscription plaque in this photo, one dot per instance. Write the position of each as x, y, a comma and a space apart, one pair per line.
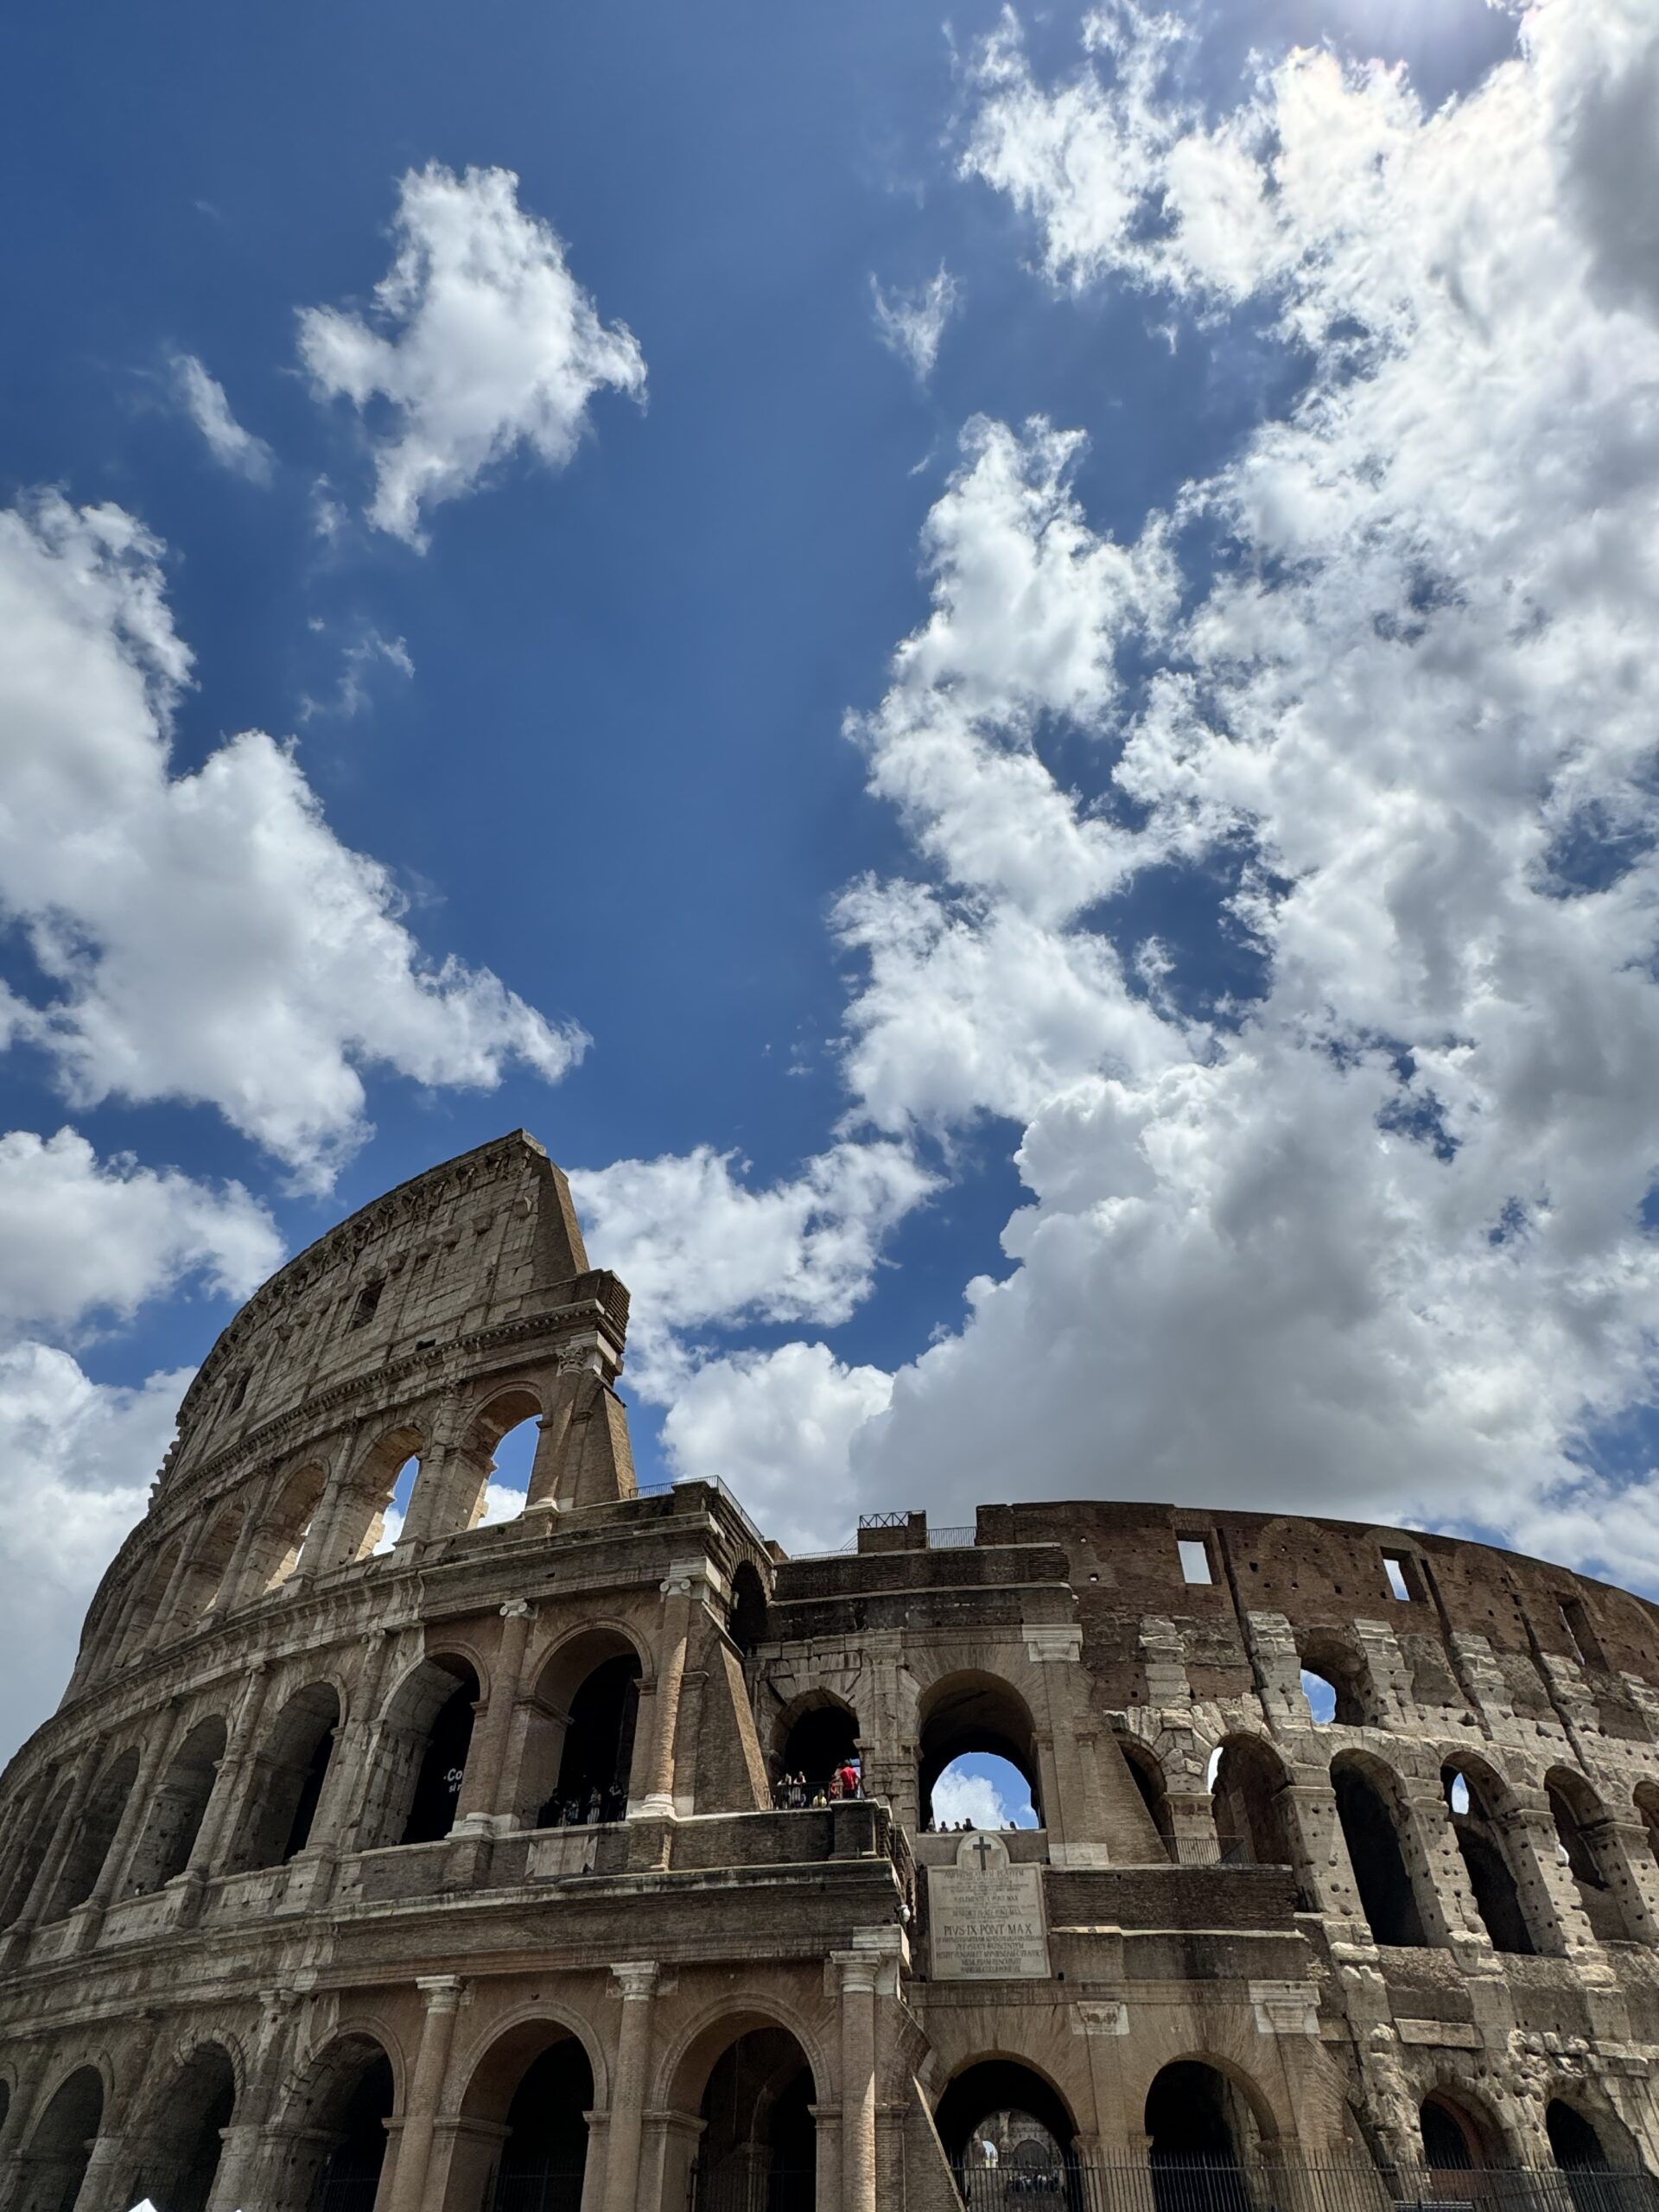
985, 1916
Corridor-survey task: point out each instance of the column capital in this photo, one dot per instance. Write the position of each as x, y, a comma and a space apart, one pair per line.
635, 1978
516, 1609
443, 1991
858, 1971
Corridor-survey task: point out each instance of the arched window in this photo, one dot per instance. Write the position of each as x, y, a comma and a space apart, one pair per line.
1245, 1795
286, 1785
501, 1449
277, 1549
175, 1818
387, 1525
1469, 1792
749, 1610
1371, 1829
182, 2145
203, 1584
583, 1722
90, 1845
1199, 2130
61, 2145
153, 1583
1581, 1819
44, 1817
759, 2142
999, 2113
1336, 1680
375, 1499
821, 1738
424, 1743
978, 1747
538, 2084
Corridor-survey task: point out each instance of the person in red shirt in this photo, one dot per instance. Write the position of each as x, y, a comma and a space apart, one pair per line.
848, 1778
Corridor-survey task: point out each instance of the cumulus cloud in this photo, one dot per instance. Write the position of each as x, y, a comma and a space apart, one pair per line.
1377, 1235
203, 397
961, 1795
203, 937
479, 342
911, 323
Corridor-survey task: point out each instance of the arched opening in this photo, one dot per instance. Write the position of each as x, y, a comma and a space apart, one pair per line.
1574, 2143
749, 1614
1580, 1822
279, 1546
386, 1525
151, 1595
974, 1717
204, 1578
1455, 2138
1485, 1859
1336, 1680
1200, 2130
581, 1748
819, 1747
44, 1821
63, 2143
1371, 1829
501, 1447
176, 1817
286, 1785
424, 1743
1245, 1794
1146, 1771
538, 2084
759, 2148
187, 2137
90, 1845
1005, 2129
1647, 1804
340, 2145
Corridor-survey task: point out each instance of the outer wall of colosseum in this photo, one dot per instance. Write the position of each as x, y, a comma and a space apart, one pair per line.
301, 1904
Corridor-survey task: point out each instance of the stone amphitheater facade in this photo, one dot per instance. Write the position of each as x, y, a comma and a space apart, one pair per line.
292, 1918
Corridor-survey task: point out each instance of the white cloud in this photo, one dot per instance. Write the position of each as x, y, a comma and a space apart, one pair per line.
480, 340
958, 1796
1374, 1239
363, 655
206, 936
79, 1237
89, 1453
911, 323
203, 397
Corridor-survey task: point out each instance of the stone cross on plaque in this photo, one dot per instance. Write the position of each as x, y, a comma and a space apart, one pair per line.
985, 1915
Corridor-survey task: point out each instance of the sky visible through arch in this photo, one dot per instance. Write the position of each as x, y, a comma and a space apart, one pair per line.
999, 670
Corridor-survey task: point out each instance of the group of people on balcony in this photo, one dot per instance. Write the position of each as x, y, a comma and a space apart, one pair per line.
793, 1793
598, 1807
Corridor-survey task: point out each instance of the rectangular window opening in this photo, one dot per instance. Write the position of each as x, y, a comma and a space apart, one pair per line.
1404, 1582
1195, 1559
1575, 1618
367, 1300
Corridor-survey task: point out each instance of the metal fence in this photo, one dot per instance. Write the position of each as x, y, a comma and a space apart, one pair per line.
1200, 2185
743, 2189
556, 2189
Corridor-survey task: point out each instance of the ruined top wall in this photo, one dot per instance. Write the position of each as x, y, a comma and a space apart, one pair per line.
484, 1239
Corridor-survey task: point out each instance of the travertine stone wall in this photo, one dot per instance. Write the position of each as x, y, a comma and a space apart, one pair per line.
222, 1920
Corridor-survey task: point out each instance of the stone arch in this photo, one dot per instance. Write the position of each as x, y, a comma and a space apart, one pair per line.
365, 1495
1645, 1798
90, 1844
149, 1588
181, 2135
525, 2107
751, 2082
988, 2090
1460, 2132
813, 1735
507, 1405
1581, 1824
203, 1587
61, 2142
1372, 1815
608, 1656
1338, 1660
1585, 2135
44, 1813
175, 1819
286, 1780
1246, 1798
336, 2120
1479, 1817
682, 2072
968, 1712
425, 1737
285, 1529
1147, 1772
1243, 2103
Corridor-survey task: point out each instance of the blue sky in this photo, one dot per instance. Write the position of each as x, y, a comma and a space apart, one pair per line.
1013, 820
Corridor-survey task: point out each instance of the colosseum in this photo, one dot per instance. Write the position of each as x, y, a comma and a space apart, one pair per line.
585, 1860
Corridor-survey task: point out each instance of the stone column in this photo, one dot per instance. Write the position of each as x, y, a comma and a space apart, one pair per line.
204, 1851
637, 1981
480, 1792
351, 1779
686, 1579
443, 1993
229, 1592
576, 1363
859, 1970
168, 1602
50, 1870
19, 2121
238, 2183
133, 1813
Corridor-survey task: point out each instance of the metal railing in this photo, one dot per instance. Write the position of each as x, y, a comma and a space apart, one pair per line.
556, 2189
951, 1539
1206, 2185
746, 2190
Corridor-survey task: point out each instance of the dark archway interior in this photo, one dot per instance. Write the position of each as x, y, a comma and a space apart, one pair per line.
1574, 2143
309, 1794
176, 1817
1452, 2141
748, 1608
1250, 1816
598, 1739
759, 2147
1150, 1781
1344, 1673
994, 2087
443, 1766
350, 2175
819, 1742
198, 2109
977, 1713
1188, 2115
1574, 1825
289, 1772
1386, 1895
545, 2156
99, 1822
62, 2144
